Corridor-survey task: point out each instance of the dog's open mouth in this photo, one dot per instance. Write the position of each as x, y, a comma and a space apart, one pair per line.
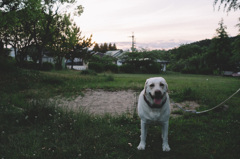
157, 98
157, 101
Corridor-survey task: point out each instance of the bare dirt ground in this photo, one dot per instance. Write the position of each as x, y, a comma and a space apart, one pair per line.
113, 102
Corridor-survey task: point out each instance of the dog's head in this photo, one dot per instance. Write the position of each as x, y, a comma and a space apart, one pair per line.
156, 88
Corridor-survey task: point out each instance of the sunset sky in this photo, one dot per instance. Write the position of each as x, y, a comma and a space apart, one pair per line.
157, 24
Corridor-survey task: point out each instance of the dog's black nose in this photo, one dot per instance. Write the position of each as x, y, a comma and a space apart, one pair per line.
158, 93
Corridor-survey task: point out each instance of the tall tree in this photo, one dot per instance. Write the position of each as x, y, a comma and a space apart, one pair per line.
114, 47
31, 22
235, 59
96, 47
219, 51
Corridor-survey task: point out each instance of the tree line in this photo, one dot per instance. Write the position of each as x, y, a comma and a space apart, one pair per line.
222, 53
103, 48
210, 56
32, 27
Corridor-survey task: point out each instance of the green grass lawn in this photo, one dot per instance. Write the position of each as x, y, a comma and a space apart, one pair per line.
31, 127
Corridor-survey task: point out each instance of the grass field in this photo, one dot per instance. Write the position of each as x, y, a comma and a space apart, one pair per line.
32, 127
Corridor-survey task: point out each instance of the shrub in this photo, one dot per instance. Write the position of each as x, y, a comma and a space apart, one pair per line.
189, 70
109, 78
111, 67
154, 68
47, 66
7, 64
98, 67
30, 65
58, 66
127, 68
88, 72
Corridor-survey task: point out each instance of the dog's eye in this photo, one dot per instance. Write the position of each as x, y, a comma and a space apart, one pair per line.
151, 85
162, 85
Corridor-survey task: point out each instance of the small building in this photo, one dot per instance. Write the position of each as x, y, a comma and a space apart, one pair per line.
78, 64
116, 54
164, 64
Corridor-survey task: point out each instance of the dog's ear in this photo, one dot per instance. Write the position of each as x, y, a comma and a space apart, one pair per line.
145, 86
166, 87
165, 83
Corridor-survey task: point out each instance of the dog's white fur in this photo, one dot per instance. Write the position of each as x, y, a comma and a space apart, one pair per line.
149, 115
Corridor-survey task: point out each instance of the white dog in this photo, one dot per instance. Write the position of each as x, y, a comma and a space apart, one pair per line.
153, 106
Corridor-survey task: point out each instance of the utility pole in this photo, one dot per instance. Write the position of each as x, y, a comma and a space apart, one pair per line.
133, 42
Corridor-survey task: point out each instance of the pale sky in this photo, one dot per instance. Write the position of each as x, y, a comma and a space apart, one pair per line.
157, 24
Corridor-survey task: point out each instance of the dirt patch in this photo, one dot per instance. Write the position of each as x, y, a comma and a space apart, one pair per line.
114, 102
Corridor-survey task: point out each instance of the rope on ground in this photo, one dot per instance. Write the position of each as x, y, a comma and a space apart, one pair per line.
200, 112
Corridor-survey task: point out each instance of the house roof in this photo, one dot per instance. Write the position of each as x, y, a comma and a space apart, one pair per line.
114, 53
162, 61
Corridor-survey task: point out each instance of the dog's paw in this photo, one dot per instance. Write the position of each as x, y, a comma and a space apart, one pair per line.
166, 147
141, 146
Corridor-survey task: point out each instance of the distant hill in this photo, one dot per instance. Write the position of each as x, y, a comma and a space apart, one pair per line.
207, 42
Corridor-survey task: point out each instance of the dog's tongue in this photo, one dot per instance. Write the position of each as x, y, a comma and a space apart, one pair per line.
157, 101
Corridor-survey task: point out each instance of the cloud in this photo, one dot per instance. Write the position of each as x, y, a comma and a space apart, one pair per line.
154, 22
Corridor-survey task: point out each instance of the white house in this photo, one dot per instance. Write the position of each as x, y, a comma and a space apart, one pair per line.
78, 64
116, 54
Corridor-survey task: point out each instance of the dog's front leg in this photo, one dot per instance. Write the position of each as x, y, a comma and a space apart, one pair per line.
143, 136
165, 145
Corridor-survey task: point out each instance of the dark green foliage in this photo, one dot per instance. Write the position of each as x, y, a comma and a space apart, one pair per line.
7, 64
208, 56
127, 68
88, 72
111, 67
142, 62
58, 66
109, 78
30, 65
38, 111
51, 80
104, 47
47, 66
98, 67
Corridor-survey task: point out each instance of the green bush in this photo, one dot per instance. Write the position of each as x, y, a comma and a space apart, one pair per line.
58, 66
154, 68
7, 64
47, 66
88, 72
30, 65
111, 67
126, 68
109, 78
98, 67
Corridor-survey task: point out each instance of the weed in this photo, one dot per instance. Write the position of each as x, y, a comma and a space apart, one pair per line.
184, 94
88, 72
109, 78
